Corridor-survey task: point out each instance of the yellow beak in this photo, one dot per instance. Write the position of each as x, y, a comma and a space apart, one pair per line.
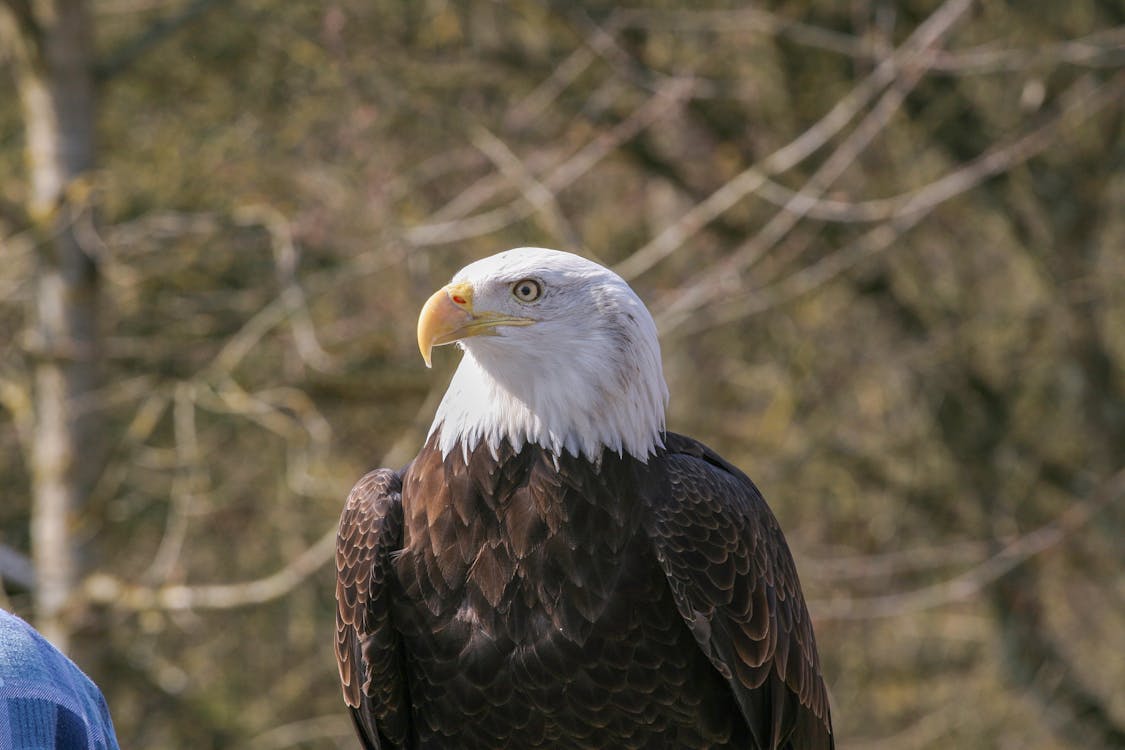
448, 316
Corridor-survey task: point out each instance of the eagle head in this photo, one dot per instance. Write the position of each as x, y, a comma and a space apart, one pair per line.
559, 352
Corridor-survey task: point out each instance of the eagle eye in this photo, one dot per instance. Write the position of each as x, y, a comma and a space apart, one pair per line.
527, 290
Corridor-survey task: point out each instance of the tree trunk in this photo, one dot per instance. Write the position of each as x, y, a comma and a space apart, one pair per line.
52, 41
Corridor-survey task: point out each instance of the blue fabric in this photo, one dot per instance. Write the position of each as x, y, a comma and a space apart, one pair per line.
46, 702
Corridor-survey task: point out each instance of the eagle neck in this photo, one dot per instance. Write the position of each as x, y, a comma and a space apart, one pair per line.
580, 411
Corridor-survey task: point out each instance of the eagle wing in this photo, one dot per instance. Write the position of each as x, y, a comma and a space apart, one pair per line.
735, 584
368, 651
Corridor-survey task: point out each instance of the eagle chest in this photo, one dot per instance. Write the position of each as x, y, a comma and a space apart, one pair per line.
532, 603
515, 549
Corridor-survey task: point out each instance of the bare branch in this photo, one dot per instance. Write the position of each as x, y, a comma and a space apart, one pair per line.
672, 237
141, 426
742, 20
20, 24
161, 225
1103, 48
972, 582
530, 107
538, 195
13, 217
751, 251
443, 163
131, 50
184, 486
1079, 103
561, 177
108, 590
225, 396
602, 39
302, 732
895, 562
287, 260
247, 337
924, 732
522, 114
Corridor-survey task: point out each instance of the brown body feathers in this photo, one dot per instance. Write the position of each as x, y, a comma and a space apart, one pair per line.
512, 602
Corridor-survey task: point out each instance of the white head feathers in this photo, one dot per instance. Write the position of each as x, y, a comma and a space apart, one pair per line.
585, 376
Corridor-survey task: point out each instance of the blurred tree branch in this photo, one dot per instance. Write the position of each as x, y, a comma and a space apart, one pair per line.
743, 19
128, 52
1080, 102
12, 214
104, 589
292, 297
23, 32
537, 195
908, 56
560, 177
1103, 48
298, 733
1073, 711
971, 583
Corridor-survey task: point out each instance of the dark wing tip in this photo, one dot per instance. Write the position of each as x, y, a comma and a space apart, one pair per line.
365, 728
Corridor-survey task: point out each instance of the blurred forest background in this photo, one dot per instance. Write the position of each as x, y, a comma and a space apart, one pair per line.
884, 242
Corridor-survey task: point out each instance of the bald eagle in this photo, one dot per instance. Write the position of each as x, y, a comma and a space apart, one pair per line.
555, 569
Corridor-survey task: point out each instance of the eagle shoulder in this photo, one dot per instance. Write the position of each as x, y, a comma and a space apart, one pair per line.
735, 584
